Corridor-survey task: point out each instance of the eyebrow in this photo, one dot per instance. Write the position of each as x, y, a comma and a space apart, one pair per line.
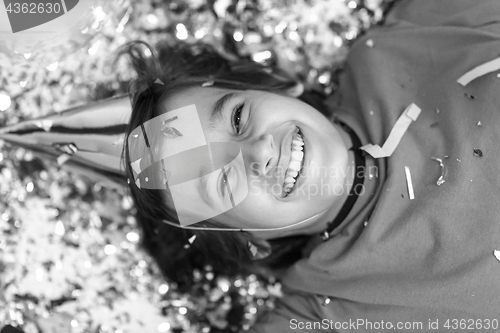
219, 106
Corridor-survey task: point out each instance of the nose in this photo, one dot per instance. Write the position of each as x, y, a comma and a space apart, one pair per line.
261, 155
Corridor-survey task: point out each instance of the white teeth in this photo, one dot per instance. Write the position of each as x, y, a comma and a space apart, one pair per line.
294, 165
297, 155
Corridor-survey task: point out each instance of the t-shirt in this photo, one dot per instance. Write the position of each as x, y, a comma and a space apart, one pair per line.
427, 264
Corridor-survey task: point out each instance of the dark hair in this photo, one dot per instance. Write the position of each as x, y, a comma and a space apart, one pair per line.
181, 66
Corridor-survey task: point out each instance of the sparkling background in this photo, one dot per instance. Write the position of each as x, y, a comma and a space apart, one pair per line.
69, 254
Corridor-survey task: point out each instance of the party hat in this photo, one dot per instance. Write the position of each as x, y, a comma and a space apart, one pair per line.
88, 138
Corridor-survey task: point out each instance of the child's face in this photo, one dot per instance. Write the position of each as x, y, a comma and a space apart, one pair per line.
268, 124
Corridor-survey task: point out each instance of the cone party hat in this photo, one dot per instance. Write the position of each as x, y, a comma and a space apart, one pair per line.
88, 139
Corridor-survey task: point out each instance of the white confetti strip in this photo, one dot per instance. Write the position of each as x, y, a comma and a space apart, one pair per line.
496, 253
410, 114
409, 183
486, 68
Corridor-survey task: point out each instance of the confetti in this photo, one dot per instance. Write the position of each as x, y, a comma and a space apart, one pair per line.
369, 43
479, 124
410, 114
478, 152
486, 68
496, 253
253, 249
5, 102
440, 180
469, 96
66, 148
192, 239
46, 125
409, 183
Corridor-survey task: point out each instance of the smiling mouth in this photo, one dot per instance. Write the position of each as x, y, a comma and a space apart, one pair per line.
296, 163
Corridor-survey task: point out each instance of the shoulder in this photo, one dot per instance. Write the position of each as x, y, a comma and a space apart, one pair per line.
462, 13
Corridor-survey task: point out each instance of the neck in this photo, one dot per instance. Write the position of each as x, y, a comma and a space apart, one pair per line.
335, 208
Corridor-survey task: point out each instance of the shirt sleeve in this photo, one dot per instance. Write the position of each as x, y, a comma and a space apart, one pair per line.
483, 14
295, 311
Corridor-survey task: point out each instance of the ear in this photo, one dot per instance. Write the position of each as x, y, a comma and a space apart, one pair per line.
259, 248
295, 91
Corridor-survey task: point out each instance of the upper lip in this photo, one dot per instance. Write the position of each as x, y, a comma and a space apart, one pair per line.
285, 156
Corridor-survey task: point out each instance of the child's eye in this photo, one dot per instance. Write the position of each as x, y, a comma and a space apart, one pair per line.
237, 117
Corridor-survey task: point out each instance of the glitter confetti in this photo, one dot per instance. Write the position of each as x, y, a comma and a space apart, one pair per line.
478, 152
409, 183
46, 125
5, 102
78, 268
440, 180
